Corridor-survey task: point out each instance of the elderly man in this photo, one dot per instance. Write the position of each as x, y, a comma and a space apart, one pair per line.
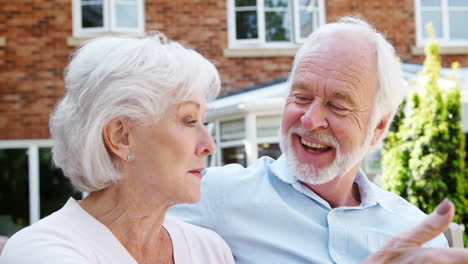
313, 204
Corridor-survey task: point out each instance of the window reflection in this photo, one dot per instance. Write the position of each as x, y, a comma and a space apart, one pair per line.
234, 155
269, 149
126, 13
92, 14
232, 129
277, 20
14, 191
55, 189
246, 25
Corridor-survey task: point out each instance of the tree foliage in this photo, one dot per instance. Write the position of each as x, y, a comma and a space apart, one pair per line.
423, 158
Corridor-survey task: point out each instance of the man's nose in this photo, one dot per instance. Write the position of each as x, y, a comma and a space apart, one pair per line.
314, 117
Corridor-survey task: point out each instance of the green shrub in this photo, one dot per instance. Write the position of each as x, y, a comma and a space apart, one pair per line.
423, 158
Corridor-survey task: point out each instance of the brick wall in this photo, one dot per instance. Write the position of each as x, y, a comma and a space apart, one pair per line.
35, 53
31, 64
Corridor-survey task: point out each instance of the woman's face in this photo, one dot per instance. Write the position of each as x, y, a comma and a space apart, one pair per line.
169, 154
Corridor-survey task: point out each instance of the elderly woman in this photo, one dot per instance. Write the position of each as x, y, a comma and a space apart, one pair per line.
130, 132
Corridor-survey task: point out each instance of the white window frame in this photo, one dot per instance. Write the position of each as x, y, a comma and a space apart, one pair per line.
218, 155
32, 147
316, 23
249, 142
109, 21
261, 42
444, 40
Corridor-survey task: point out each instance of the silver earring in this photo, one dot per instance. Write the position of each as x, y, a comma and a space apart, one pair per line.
129, 157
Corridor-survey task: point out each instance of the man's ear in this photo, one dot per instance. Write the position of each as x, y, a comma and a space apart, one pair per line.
380, 129
117, 138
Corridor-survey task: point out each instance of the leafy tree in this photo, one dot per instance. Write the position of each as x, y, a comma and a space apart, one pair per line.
423, 158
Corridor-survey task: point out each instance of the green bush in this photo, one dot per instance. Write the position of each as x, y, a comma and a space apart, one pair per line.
423, 158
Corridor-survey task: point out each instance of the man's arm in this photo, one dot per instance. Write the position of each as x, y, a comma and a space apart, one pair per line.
207, 212
406, 247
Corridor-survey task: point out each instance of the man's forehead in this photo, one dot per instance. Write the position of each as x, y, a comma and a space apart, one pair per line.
341, 53
349, 43
340, 58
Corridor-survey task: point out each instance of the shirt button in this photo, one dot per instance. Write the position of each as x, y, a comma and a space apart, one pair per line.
332, 213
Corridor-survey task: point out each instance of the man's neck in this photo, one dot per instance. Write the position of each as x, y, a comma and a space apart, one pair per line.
341, 191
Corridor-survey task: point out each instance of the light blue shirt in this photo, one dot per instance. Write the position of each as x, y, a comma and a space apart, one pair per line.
267, 216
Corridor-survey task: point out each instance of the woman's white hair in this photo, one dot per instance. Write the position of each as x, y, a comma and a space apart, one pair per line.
113, 77
391, 89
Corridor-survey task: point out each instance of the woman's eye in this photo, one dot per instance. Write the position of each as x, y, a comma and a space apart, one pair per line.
190, 121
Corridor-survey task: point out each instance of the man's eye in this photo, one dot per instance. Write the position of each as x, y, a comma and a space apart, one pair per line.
301, 99
339, 109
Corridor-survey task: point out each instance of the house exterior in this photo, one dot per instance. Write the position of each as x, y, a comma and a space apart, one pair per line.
252, 42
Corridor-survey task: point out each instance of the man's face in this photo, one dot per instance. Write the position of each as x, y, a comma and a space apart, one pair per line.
325, 127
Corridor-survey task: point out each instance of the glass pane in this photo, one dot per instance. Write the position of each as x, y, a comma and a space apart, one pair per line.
246, 25
126, 15
277, 26
91, 14
458, 25
268, 126
430, 2
308, 17
55, 188
232, 129
14, 191
234, 155
269, 149
306, 26
276, 3
246, 2
458, 3
433, 17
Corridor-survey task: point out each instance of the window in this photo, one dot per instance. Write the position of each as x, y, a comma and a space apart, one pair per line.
231, 138
30, 186
95, 17
272, 23
242, 139
448, 18
14, 190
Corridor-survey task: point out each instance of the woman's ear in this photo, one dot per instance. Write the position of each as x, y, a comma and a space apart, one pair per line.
116, 136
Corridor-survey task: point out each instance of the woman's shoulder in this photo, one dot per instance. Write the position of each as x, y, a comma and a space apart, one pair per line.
46, 241
204, 244
31, 245
70, 235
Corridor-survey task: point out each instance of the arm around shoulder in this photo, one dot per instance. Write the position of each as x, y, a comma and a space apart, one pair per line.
206, 212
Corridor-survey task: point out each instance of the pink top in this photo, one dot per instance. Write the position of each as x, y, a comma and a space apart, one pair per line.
71, 235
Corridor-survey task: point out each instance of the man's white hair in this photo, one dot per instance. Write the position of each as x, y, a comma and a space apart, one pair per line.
112, 77
391, 89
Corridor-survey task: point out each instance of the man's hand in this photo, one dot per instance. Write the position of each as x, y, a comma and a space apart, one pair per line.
406, 247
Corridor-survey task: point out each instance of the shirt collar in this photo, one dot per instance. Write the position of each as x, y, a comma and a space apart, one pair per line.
370, 193
281, 169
